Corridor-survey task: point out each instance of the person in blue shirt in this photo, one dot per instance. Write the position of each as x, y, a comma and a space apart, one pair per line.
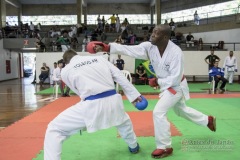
218, 75
120, 63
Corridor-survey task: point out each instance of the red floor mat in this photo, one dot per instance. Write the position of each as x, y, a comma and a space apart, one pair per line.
143, 124
24, 139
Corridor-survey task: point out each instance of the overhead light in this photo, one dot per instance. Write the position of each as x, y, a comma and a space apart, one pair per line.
29, 48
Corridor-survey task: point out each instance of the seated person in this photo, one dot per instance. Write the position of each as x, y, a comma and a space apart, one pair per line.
218, 75
153, 74
44, 74
40, 45
189, 39
141, 73
200, 44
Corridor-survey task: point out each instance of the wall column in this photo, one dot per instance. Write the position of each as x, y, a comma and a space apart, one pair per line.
85, 15
152, 12
19, 14
3, 14
79, 11
158, 12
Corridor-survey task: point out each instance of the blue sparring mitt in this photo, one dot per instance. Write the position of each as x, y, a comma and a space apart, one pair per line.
143, 104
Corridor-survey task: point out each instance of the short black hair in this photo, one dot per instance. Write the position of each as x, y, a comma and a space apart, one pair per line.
60, 61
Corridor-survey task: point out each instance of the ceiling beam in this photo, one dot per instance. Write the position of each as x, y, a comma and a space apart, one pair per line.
14, 3
84, 3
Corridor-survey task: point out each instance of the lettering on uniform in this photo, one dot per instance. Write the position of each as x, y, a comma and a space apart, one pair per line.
85, 63
166, 66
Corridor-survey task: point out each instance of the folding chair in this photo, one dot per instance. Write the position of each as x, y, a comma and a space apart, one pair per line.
55, 90
127, 74
212, 86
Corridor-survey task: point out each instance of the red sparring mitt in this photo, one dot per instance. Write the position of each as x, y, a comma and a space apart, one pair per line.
91, 46
153, 82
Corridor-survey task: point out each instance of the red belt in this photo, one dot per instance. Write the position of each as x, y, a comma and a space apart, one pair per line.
170, 89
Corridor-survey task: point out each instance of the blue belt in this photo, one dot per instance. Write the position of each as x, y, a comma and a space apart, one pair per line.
101, 95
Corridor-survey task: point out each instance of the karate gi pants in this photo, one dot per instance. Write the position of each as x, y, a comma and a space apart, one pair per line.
65, 48
69, 122
229, 76
161, 124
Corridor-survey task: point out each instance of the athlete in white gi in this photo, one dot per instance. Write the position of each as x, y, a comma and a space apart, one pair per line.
58, 80
230, 66
89, 77
167, 61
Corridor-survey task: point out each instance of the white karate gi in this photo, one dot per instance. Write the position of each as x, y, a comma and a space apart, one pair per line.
91, 75
51, 76
230, 64
169, 71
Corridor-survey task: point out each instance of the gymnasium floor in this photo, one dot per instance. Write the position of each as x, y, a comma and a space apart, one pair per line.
24, 116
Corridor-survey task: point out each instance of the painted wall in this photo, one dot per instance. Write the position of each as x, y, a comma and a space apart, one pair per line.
14, 63
228, 36
194, 61
55, 56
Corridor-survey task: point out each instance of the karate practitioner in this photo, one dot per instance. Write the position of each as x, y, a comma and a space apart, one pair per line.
230, 66
167, 61
58, 80
92, 79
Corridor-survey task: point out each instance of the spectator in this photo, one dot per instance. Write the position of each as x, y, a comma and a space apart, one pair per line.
200, 44
166, 22
99, 21
103, 37
103, 23
31, 29
44, 74
118, 24
119, 40
211, 60
79, 29
113, 22
153, 74
64, 41
189, 39
146, 36
55, 32
141, 72
126, 23
40, 45
172, 25
131, 38
74, 42
73, 31
196, 18
107, 27
124, 35
230, 65
120, 63
94, 36
86, 40
39, 27
56, 46
218, 75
